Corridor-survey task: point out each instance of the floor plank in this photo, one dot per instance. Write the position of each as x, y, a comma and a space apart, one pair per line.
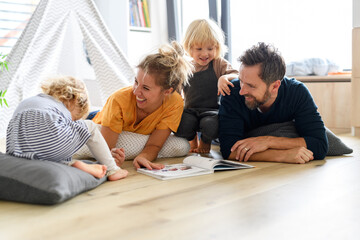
318, 200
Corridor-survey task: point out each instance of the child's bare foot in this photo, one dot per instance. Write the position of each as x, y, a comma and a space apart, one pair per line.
97, 170
204, 147
194, 145
121, 173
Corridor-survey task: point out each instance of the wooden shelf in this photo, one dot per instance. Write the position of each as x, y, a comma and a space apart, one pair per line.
328, 78
332, 95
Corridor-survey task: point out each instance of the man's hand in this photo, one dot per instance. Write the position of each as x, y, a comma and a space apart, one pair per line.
247, 147
118, 155
298, 155
143, 162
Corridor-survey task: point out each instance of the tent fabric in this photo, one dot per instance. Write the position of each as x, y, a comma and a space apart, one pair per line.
54, 43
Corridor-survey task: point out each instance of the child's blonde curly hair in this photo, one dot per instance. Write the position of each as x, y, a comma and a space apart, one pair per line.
204, 31
67, 89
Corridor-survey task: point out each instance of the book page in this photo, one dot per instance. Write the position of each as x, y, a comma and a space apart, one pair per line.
214, 164
202, 162
229, 165
175, 171
236, 164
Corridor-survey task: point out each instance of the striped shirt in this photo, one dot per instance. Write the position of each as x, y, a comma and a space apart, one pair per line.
42, 129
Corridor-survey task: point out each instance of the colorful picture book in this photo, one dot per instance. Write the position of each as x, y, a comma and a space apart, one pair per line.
193, 166
139, 13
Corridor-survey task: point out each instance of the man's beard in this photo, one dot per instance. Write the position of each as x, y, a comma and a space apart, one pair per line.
257, 103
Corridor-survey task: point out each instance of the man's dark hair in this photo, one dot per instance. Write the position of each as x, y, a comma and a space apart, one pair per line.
272, 64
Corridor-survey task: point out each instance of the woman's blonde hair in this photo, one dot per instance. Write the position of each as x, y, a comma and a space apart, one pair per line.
169, 65
67, 89
205, 31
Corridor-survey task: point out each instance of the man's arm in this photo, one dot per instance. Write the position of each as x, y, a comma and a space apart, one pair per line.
232, 114
309, 124
271, 149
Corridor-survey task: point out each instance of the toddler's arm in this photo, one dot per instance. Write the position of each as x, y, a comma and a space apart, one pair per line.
224, 82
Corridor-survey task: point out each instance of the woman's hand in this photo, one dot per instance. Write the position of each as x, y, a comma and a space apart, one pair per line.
152, 148
143, 162
118, 155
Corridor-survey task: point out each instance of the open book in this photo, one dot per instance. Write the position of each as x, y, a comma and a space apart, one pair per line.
193, 166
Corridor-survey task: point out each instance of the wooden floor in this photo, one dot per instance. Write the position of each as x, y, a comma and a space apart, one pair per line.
318, 200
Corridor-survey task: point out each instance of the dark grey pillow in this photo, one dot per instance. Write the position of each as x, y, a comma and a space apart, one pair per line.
336, 146
287, 129
41, 182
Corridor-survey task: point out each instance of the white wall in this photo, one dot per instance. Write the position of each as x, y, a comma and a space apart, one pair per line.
141, 43
114, 14
134, 44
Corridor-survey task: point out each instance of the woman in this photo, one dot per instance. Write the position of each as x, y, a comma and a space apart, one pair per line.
152, 106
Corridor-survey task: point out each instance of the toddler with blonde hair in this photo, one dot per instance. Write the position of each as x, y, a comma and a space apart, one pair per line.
204, 42
48, 127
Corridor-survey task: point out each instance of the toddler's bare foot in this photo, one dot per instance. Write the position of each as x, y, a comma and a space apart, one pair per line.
97, 170
121, 173
194, 145
204, 147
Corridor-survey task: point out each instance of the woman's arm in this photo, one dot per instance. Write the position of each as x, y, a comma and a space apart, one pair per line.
152, 148
111, 138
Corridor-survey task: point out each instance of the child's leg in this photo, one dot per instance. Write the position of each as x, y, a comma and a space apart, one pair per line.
100, 150
96, 170
209, 125
194, 144
203, 147
188, 127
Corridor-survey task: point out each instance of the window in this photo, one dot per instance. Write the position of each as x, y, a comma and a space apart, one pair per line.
299, 29
191, 10
14, 15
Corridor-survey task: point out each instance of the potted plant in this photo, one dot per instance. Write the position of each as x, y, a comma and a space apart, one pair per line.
3, 65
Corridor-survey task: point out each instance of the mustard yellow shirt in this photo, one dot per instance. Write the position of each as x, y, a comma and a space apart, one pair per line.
119, 113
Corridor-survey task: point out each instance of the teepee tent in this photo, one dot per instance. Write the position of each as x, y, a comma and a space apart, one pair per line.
63, 37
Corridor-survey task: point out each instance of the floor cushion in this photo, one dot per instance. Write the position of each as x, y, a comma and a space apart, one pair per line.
41, 182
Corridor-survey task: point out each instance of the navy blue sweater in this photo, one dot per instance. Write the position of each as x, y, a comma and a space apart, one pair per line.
294, 102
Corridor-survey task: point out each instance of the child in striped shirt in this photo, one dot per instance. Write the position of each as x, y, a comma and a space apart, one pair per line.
48, 127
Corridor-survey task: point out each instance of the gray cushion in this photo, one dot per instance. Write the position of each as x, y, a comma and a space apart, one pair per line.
287, 129
41, 182
336, 146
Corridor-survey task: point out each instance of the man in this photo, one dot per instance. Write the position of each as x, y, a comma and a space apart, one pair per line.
263, 96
